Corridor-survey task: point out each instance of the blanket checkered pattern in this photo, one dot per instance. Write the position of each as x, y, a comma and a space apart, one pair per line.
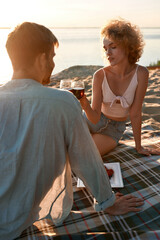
141, 177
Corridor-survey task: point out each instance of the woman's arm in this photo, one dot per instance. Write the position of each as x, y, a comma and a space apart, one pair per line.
136, 111
136, 108
93, 111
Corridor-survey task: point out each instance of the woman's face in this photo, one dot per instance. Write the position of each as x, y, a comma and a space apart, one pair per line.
114, 52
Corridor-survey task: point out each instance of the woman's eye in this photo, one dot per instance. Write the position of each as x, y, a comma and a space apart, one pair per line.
113, 47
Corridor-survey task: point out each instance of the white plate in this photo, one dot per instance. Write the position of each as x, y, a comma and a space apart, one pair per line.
116, 180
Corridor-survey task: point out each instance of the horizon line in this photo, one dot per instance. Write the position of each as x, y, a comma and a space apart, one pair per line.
51, 27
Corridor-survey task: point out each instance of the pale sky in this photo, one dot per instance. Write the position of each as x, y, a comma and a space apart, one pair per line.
79, 13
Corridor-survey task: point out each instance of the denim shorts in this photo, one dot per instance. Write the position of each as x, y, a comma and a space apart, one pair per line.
106, 126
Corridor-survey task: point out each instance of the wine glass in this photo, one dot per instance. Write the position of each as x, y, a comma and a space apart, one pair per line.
78, 88
66, 84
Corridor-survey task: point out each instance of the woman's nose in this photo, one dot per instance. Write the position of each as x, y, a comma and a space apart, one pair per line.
108, 52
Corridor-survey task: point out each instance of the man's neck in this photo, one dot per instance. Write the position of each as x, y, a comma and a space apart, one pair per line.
23, 74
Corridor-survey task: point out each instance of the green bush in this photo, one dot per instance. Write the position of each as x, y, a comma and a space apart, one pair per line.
155, 64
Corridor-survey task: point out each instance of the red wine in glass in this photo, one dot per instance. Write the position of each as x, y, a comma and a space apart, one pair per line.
78, 88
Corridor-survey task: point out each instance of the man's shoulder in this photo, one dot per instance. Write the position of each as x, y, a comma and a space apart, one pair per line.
61, 98
55, 93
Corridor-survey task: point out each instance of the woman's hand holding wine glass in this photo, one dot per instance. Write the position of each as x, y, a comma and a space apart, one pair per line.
76, 87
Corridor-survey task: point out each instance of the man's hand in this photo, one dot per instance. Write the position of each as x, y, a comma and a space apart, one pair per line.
125, 204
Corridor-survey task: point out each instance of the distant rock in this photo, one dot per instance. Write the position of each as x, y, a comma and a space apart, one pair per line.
74, 73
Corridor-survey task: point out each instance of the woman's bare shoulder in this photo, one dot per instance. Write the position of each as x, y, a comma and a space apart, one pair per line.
142, 76
100, 72
143, 71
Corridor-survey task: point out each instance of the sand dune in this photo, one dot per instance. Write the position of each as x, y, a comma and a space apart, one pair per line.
151, 104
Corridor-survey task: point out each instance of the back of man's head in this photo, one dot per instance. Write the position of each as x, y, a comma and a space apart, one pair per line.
27, 41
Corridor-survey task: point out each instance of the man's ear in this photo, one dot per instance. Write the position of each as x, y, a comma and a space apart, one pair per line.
40, 62
40, 66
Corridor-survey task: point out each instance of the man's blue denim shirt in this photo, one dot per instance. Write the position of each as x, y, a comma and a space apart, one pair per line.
43, 137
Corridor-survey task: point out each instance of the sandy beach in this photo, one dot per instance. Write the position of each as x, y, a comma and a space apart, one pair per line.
151, 104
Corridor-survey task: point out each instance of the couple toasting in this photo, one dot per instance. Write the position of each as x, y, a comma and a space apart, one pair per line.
43, 135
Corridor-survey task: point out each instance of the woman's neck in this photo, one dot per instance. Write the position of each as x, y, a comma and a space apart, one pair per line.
123, 69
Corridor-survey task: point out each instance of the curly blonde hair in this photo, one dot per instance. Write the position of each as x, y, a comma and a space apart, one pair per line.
127, 36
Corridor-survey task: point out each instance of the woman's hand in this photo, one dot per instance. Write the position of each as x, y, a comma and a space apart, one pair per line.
125, 204
148, 151
84, 102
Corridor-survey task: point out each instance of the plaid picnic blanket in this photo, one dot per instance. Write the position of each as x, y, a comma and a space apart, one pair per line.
140, 176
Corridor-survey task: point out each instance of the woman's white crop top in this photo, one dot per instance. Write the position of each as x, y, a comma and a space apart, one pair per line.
110, 107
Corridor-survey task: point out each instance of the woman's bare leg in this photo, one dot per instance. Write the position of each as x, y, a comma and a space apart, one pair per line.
104, 143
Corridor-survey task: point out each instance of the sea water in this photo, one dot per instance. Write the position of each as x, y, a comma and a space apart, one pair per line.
81, 46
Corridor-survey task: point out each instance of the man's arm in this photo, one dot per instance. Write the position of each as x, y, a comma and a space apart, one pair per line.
87, 164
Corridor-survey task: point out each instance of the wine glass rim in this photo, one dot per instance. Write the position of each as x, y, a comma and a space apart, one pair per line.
78, 82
